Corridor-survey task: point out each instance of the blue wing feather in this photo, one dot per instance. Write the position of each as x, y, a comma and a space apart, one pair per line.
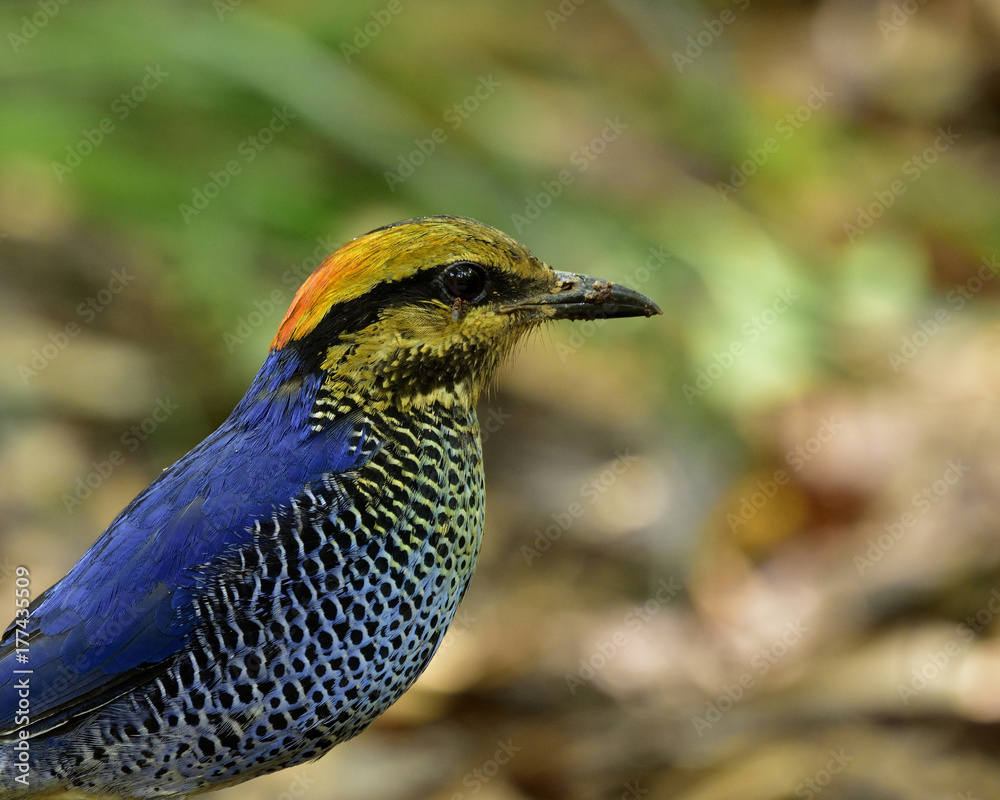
127, 605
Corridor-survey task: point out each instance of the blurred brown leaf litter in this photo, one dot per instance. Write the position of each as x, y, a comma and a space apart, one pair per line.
746, 550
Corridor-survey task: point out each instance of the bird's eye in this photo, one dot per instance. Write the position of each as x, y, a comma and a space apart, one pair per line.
464, 281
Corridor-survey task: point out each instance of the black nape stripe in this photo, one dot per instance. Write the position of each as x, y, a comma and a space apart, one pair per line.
426, 285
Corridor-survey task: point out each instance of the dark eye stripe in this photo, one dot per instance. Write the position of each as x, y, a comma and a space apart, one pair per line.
426, 285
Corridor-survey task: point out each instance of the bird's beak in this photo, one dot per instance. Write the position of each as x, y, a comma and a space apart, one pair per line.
580, 297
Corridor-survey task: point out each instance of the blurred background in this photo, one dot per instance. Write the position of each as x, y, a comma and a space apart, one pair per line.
748, 549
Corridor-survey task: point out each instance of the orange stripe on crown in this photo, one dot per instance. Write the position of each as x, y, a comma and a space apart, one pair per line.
329, 283
390, 253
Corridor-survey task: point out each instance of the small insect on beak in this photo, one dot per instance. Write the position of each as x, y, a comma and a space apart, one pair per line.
581, 297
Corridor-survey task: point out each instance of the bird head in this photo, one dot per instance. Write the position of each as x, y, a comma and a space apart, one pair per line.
429, 308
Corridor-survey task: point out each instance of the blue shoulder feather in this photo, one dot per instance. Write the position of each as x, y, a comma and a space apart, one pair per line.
127, 605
